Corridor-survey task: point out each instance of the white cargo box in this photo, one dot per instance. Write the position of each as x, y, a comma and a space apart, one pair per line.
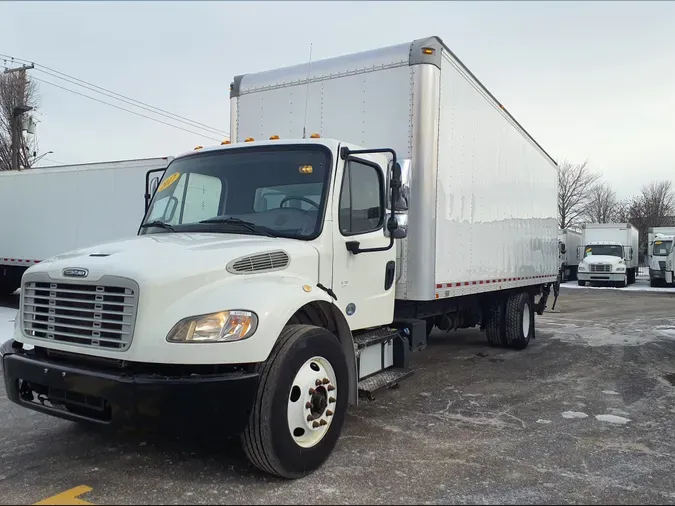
52, 210
483, 203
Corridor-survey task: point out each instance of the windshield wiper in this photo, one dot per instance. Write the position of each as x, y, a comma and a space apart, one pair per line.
246, 224
159, 224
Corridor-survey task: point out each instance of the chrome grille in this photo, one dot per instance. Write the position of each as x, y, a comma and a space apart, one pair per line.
273, 260
601, 268
92, 315
662, 265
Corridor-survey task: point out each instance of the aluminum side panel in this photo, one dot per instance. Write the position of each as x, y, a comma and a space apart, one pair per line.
496, 211
419, 249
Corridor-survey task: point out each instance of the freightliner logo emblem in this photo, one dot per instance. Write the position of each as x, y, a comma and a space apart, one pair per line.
75, 272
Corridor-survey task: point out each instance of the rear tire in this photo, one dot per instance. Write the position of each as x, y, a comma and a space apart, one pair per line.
303, 354
495, 329
519, 320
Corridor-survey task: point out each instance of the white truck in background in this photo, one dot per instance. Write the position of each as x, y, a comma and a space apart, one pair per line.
278, 278
568, 243
659, 246
49, 210
608, 254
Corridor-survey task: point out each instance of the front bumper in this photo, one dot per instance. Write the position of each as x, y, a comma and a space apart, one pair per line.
82, 390
601, 277
657, 274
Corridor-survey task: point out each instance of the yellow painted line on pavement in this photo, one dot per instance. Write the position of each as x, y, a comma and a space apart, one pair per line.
68, 497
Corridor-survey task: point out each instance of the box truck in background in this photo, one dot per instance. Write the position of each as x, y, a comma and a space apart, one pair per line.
608, 254
50, 210
568, 241
366, 199
659, 245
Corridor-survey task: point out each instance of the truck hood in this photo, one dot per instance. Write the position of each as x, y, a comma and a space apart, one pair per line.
602, 259
166, 258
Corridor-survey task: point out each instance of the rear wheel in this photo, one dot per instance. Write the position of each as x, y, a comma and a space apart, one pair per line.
300, 404
494, 323
519, 320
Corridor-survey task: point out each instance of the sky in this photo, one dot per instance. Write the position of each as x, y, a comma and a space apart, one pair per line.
590, 81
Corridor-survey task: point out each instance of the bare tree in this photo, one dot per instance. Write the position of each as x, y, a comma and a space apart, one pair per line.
10, 97
601, 206
574, 183
658, 200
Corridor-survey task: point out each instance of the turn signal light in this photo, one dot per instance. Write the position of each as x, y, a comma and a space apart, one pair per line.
428, 50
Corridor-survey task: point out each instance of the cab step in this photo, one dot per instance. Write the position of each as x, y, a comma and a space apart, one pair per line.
373, 337
384, 379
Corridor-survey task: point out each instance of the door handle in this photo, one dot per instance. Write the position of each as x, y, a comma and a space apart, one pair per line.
389, 274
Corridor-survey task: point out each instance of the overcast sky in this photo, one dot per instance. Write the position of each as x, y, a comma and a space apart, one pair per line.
588, 80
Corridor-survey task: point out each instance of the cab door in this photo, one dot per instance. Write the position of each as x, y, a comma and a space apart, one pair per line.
364, 282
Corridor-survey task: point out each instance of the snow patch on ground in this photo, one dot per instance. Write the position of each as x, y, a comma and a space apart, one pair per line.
620, 420
7, 316
610, 392
574, 414
640, 285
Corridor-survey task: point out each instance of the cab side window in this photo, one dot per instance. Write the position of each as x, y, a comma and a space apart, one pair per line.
361, 199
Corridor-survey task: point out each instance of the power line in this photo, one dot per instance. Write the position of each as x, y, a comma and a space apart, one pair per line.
117, 96
124, 109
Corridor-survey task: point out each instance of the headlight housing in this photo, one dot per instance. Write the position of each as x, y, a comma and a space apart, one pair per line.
620, 268
581, 267
221, 327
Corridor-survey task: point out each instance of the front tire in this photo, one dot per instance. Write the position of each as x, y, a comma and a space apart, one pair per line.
581, 283
300, 404
519, 320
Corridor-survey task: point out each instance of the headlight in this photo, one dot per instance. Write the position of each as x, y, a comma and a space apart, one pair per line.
581, 267
225, 326
620, 268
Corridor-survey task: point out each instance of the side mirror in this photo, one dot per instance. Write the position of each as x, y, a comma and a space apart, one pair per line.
563, 248
154, 183
403, 203
579, 252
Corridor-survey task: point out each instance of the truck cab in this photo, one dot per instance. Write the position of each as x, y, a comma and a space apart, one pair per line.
660, 260
603, 262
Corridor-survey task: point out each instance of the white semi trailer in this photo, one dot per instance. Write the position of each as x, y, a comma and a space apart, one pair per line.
609, 254
278, 277
659, 246
49, 210
568, 241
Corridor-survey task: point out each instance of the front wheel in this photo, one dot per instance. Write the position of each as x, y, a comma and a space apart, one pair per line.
300, 404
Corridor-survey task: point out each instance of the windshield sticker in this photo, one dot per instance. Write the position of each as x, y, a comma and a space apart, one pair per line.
168, 181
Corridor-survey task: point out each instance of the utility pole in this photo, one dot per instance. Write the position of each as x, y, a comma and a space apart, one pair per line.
18, 110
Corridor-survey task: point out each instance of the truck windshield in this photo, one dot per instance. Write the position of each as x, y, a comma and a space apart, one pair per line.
612, 250
662, 248
270, 190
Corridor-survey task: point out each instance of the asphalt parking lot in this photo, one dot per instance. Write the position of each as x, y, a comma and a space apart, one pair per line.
584, 415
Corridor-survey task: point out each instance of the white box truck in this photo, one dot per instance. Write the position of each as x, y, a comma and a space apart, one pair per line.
659, 246
278, 278
608, 254
568, 242
50, 210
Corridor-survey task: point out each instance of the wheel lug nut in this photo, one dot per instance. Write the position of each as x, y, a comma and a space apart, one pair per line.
326, 381
323, 422
330, 388
331, 400
316, 424
310, 418
329, 413
308, 405
311, 391
318, 383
